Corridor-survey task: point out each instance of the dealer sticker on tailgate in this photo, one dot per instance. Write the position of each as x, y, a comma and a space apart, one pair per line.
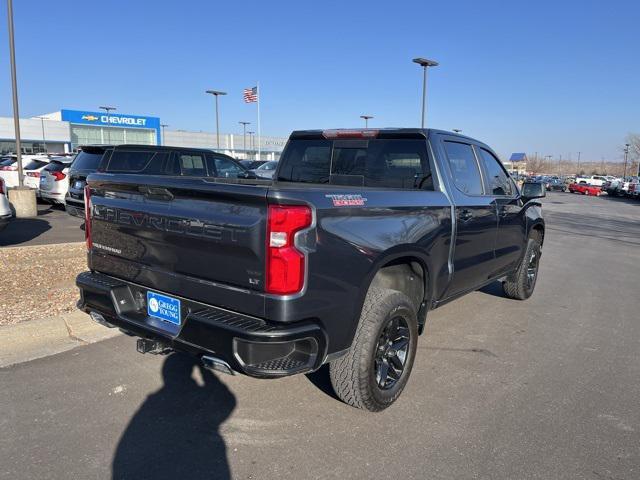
163, 307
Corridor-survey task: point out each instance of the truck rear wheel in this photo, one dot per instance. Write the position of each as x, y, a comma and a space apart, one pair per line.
376, 368
522, 282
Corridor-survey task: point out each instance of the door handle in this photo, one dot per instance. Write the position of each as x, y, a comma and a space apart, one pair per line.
466, 215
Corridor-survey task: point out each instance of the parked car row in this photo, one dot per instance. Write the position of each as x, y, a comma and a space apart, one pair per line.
619, 187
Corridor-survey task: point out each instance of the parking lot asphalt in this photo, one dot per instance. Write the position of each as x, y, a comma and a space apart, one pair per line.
542, 389
52, 225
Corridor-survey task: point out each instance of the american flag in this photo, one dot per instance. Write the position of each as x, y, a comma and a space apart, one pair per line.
250, 95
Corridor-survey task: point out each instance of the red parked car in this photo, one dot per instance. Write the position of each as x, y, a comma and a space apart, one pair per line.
585, 189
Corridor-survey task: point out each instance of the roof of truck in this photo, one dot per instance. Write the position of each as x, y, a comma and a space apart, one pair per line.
375, 133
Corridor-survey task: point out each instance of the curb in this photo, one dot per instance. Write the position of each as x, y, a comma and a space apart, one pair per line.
34, 339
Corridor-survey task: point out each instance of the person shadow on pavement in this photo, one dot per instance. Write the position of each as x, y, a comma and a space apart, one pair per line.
175, 432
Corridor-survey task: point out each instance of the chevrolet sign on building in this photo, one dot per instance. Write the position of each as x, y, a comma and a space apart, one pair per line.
98, 127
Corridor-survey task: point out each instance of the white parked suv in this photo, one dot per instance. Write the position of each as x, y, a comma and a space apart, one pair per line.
5, 210
9, 169
54, 180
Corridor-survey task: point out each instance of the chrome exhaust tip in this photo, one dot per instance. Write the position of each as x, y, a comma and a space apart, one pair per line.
217, 365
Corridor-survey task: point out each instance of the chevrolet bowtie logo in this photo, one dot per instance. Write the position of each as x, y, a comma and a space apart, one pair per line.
90, 118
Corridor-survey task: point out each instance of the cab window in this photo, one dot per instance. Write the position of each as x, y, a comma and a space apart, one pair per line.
464, 167
499, 182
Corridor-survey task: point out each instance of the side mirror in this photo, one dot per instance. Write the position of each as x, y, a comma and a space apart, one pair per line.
531, 190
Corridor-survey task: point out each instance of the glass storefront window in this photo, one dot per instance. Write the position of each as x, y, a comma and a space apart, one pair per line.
9, 146
89, 135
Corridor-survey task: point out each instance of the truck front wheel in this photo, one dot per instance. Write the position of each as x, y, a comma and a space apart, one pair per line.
376, 368
520, 284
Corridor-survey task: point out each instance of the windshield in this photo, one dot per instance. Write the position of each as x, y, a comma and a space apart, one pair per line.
87, 161
268, 166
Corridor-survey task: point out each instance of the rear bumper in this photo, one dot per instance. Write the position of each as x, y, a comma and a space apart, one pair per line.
4, 220
74, 207
249, 345
53, 196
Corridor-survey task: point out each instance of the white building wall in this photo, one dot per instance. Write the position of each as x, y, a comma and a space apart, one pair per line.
231, 144
31, 130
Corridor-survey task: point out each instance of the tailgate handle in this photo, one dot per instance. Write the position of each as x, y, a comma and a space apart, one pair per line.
158, 193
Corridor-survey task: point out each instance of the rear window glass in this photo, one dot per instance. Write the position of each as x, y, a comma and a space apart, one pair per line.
56, 166
139, 161
87, 161
382, 163
35, 164
7, 162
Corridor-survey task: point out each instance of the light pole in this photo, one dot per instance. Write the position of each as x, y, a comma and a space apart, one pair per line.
244, 136
163, 125
108, 109
14, 89
217, 93
424, 63
251, 137
366, 120
626, 156
44, 140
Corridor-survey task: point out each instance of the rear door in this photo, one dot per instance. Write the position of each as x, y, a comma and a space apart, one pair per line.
476, 217
511, 232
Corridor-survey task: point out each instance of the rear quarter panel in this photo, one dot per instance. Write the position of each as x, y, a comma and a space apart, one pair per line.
352, 242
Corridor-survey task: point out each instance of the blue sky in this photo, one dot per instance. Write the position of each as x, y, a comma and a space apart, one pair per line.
556, 77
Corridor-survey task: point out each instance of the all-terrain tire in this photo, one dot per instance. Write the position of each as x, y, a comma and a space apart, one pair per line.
353, 375
519, 284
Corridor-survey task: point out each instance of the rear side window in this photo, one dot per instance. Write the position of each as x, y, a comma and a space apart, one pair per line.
191, 164
381, 163
123, 161
464, 168
223, 167
499, 181
87, 161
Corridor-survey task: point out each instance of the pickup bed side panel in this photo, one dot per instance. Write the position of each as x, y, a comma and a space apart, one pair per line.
353, 242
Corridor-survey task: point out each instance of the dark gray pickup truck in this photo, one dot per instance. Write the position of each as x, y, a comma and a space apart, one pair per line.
338, 260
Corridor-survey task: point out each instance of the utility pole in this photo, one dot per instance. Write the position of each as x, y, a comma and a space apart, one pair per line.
424, 63
251, 136
244, 136
578, 172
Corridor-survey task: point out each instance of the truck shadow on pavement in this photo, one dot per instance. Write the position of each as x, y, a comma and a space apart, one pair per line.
176, 431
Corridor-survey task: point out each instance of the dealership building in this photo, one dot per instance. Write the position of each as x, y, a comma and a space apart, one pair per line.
66, 130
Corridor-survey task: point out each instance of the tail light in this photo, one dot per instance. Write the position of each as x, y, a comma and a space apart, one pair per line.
285, 263
33, 174
9, 168
58, 176
87, 216
1, 186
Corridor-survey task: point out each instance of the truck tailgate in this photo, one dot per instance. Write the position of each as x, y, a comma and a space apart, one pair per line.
179, 232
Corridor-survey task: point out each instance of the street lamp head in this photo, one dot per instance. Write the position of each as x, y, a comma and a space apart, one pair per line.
424, 62
366, 117
244, 123
164, 125
107, 108
457, 130
216, 92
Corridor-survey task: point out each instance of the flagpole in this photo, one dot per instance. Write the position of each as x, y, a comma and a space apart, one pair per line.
259, 134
